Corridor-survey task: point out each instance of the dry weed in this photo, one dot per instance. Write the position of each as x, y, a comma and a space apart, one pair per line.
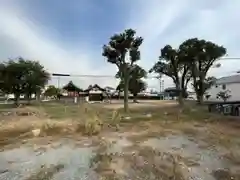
92, 122
150, 164
115, 119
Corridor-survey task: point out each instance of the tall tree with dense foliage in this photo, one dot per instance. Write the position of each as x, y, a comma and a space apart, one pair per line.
123, 47
200, 56
22, 76
171, 64
136, 84
36, 78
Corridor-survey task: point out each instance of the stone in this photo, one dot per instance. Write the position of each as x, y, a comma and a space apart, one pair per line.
149, 115
36, 132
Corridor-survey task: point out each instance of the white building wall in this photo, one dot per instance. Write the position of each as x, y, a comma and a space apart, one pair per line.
234, 89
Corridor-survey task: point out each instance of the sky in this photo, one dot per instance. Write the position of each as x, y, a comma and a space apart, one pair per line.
67, 36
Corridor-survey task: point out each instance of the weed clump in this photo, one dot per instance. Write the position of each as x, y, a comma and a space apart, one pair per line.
92, 123
115, 119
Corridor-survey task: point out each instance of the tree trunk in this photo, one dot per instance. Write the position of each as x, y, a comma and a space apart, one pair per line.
135, 98
200, 99
28, 98
126, 97
16, 99
38, 98
126, 85
201, 89
180, 96
119, 94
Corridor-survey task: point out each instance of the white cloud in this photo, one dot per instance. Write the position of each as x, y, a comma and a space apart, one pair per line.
172, 21
159, 22
21, 37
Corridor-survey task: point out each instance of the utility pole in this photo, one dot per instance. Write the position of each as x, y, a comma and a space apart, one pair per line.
161, 83
58, 82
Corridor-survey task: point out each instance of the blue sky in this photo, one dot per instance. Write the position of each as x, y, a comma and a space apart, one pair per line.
67, 36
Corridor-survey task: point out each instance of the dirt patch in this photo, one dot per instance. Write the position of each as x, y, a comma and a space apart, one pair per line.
59, 160
46, 173
141, 104
142, 164
225, 174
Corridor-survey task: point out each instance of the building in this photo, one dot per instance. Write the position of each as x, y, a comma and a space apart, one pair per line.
110, 90
230, 84
72, 90
95, 93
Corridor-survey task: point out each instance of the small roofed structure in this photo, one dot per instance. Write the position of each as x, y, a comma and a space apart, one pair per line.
95, 93
72, 89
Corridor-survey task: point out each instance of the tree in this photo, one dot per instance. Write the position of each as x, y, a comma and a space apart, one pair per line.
36, 78
13, 80
119, 47
224, 95
200, 56
171, 64
52, 91
136, 84
202, 87
22, 76
2, 67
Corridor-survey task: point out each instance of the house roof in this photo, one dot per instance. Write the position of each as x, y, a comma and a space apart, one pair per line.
70, 86
170, 89
93, 87
229, 79
109, 88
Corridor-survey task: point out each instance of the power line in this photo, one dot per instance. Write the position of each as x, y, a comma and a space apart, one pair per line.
90, 75
113, 76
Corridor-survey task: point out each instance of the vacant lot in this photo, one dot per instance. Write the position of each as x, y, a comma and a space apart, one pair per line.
156, 140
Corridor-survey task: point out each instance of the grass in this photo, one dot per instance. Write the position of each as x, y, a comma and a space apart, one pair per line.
53, 119
65, 111
91, 119
58, 120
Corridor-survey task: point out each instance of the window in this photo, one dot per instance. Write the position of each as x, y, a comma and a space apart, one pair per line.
224, 86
